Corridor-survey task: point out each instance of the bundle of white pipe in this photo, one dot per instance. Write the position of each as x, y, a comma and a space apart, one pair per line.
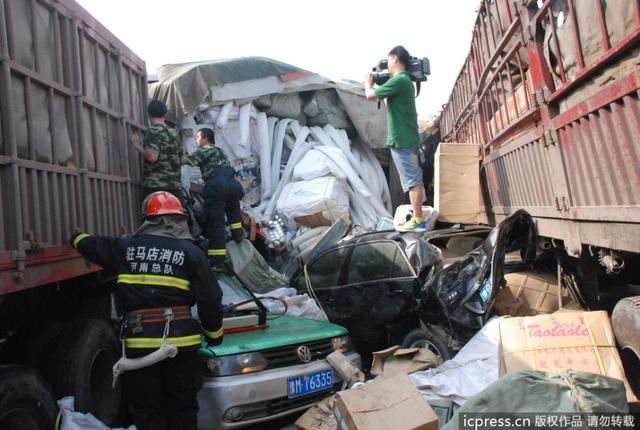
223, 117
300, 148
358, 185
368, 189
376, 174
276, 151
244, 117
265, 156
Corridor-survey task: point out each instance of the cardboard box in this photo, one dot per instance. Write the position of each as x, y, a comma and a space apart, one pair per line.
319, 417
457, 182
315, 220
394, 360
347, 370
516, 105
567, 340
530, 293
392, 403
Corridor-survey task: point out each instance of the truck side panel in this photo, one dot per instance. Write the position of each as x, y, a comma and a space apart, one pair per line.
556, 108
70, 93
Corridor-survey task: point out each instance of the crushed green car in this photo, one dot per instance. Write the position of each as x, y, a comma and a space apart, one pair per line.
261, 374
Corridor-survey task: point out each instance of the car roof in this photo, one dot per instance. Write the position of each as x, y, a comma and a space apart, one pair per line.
405, 237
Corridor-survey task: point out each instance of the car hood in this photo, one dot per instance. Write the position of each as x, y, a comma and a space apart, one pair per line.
282, 331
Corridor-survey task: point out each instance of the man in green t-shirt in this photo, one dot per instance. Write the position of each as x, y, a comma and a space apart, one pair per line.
403, 138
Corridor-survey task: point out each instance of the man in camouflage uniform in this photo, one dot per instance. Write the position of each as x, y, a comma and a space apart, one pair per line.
222, 194
161, 151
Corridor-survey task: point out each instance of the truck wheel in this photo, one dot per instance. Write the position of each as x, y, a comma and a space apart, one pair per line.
434, 339
25, 400
625, 320
82, 367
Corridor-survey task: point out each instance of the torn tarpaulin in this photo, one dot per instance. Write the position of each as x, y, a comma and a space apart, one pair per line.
466, 290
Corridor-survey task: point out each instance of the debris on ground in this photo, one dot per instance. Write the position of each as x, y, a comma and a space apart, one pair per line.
349, 373
319, 417
470, 371
385, 403
403, 360
71, 420
566, 392
530, 293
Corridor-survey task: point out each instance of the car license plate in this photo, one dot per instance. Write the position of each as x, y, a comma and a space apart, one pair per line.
306, 384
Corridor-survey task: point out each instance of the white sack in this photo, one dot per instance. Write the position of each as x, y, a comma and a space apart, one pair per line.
78, 421
315, 164
229, 139
300, 148
474, 368
326, 195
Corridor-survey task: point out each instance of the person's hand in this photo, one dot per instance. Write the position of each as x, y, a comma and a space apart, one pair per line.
214, 342
369, 80
75, 232
135, 139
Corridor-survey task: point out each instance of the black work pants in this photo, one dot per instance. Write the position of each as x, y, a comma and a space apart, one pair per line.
222, 198
163, 396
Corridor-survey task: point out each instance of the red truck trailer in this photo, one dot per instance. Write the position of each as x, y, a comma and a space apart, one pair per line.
550, 92
70, 94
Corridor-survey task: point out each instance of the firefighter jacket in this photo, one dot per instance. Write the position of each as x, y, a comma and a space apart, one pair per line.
159, 278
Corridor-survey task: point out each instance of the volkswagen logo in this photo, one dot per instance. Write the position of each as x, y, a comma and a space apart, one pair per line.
304, 353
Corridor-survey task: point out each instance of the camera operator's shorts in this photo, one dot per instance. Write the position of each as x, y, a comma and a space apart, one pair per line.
408, 165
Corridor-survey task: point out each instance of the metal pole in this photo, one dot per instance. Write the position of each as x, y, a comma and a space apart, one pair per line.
11, 144
129, 222
78, 90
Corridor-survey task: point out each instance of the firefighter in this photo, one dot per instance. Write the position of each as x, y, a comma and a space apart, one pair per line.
222, 194
161, 275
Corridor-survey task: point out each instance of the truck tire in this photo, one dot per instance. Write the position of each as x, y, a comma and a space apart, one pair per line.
25, 401
434, 339
81, 366
625, 320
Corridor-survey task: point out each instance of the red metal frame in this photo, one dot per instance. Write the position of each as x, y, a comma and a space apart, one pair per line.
43, 202
563, 132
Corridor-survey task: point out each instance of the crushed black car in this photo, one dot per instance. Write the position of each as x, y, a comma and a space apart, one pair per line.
432, 289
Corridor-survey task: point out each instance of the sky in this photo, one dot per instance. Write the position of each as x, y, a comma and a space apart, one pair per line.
337, 39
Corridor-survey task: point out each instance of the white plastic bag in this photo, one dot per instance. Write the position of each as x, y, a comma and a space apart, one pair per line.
297, 305
315, 164
474, 368
78, 421
326, 195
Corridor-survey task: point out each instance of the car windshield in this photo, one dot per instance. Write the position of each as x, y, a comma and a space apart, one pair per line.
232, 291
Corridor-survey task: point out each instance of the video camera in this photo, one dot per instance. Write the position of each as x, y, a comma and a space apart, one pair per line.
418, 69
